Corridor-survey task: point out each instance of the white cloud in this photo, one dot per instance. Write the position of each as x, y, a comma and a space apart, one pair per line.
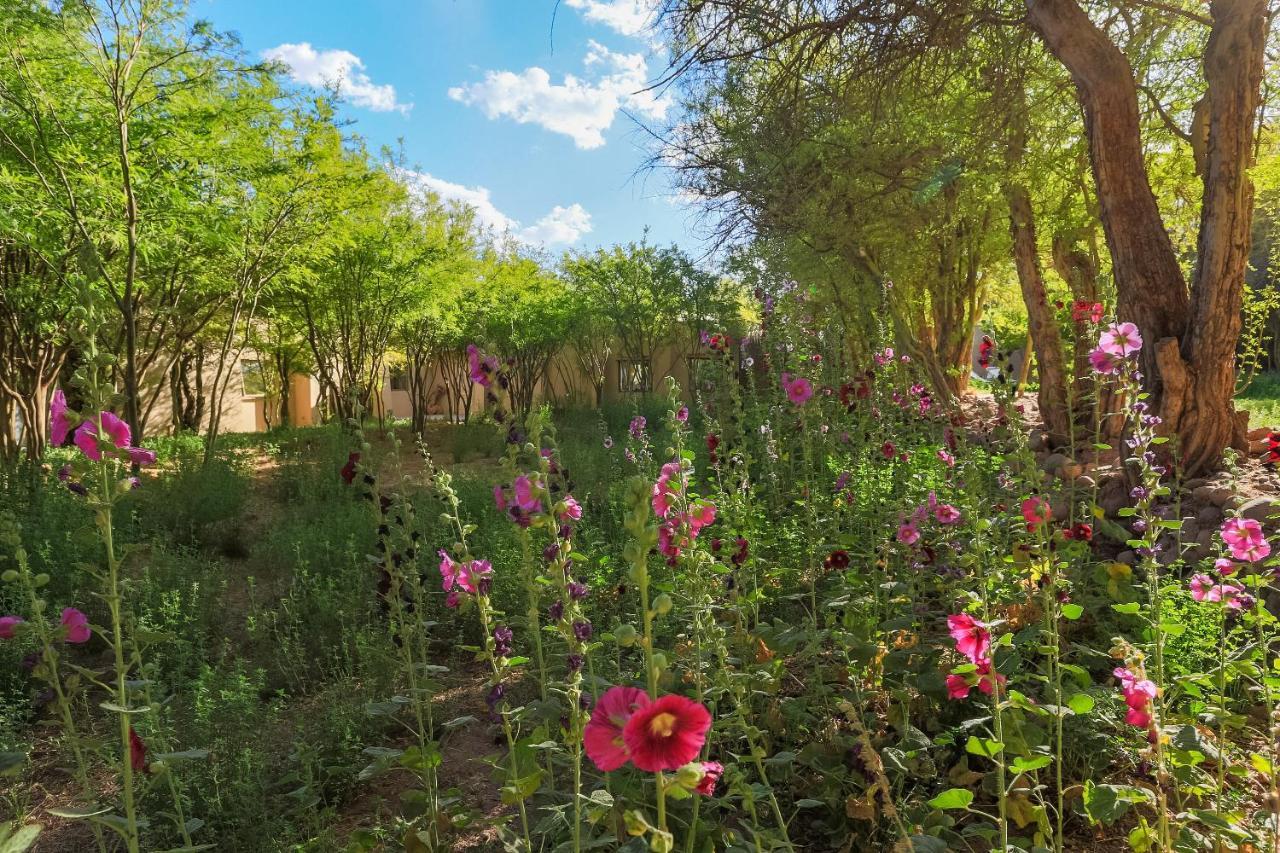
580, 109
340, 69
629, 17
561, 226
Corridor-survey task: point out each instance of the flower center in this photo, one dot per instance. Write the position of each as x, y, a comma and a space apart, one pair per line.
663, 725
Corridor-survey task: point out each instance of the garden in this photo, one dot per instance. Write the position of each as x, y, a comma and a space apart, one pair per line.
936, 512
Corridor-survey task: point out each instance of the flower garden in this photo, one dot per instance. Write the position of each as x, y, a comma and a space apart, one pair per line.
812, 611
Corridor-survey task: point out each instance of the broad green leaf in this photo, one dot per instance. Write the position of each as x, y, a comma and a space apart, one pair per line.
953, 798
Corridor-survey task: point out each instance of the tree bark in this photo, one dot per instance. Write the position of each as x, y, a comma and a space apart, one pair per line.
1041, 324
1189, 359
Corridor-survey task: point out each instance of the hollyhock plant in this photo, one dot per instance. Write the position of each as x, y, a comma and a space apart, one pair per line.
666, 734
76, 625
973, 640
797, 388
959, 684
482, 367
137, 752
908, 533
1104, 362
602, 736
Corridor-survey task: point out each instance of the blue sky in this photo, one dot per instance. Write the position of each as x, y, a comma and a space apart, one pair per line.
495, 107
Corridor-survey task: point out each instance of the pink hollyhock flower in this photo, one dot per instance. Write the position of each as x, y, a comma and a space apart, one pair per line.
452, 600
711, 773
1035, 511
664, 492
117, 433
141, 456
7, 626
572, 509
701, 515
887, 450
59, 422
1104, 362
448, 570
77, 625
482, 367
526, 494
1224, 566
946, 514
959, 684
908, 533
666, 734
1138, 695
1120, 339
1200, 585
947, 458
973, 640
602, 736
797, 388
500, 498
470, 574
1245, 539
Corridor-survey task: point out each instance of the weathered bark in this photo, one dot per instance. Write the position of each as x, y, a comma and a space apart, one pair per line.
1192, 336
1041, 326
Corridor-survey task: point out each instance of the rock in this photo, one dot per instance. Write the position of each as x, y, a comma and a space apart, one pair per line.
1258, 448
1211, 493
1204, 539
1113, 496
1262, 510
1053, 462
1070, 470
1129, 557
1061, 510
1259, 433
1195, 483
1038, 440
1085, 482
1209, 515
1190, 527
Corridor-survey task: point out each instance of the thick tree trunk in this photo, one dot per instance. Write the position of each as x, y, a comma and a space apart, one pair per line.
1191, 341
1041, 325
1201, 411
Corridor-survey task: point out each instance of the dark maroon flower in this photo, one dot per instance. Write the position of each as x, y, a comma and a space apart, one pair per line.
582, 630
348, 471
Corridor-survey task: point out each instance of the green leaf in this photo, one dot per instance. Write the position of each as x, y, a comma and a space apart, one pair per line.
1072, 611
185, 755
809, 804
1026, 765
986, 747
19, 841
73, 813
120, 709
953, 798
1128, 609
1081, 703
11, 763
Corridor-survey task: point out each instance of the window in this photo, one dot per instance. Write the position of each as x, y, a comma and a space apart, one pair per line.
634, 376
399, 380
255, 382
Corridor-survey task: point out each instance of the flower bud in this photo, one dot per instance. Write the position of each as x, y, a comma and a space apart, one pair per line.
9, 576
625, 635
662, 604
659, 661
690, 775
40, 579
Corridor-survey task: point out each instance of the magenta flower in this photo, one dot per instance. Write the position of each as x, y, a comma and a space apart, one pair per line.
77, 625
59, 421
141, 456
1138, 695
1244, 538
7, 626
636, 427
117, 433
526, 494
1104, 362
908, 533
1224, 566
500, 498
666, 734
482, 367
946, 514
947, 458
797, 388
470, 575
664, 493
572, 509
1035, 511
1121, 340
960, 683
973, 640
711, 773
602, 736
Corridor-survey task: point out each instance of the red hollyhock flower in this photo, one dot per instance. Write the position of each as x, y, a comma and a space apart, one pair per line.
838, 559
711, 772
348, 471
137, 752
603, 734
666, 734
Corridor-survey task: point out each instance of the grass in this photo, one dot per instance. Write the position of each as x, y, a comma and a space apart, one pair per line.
1262, 400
